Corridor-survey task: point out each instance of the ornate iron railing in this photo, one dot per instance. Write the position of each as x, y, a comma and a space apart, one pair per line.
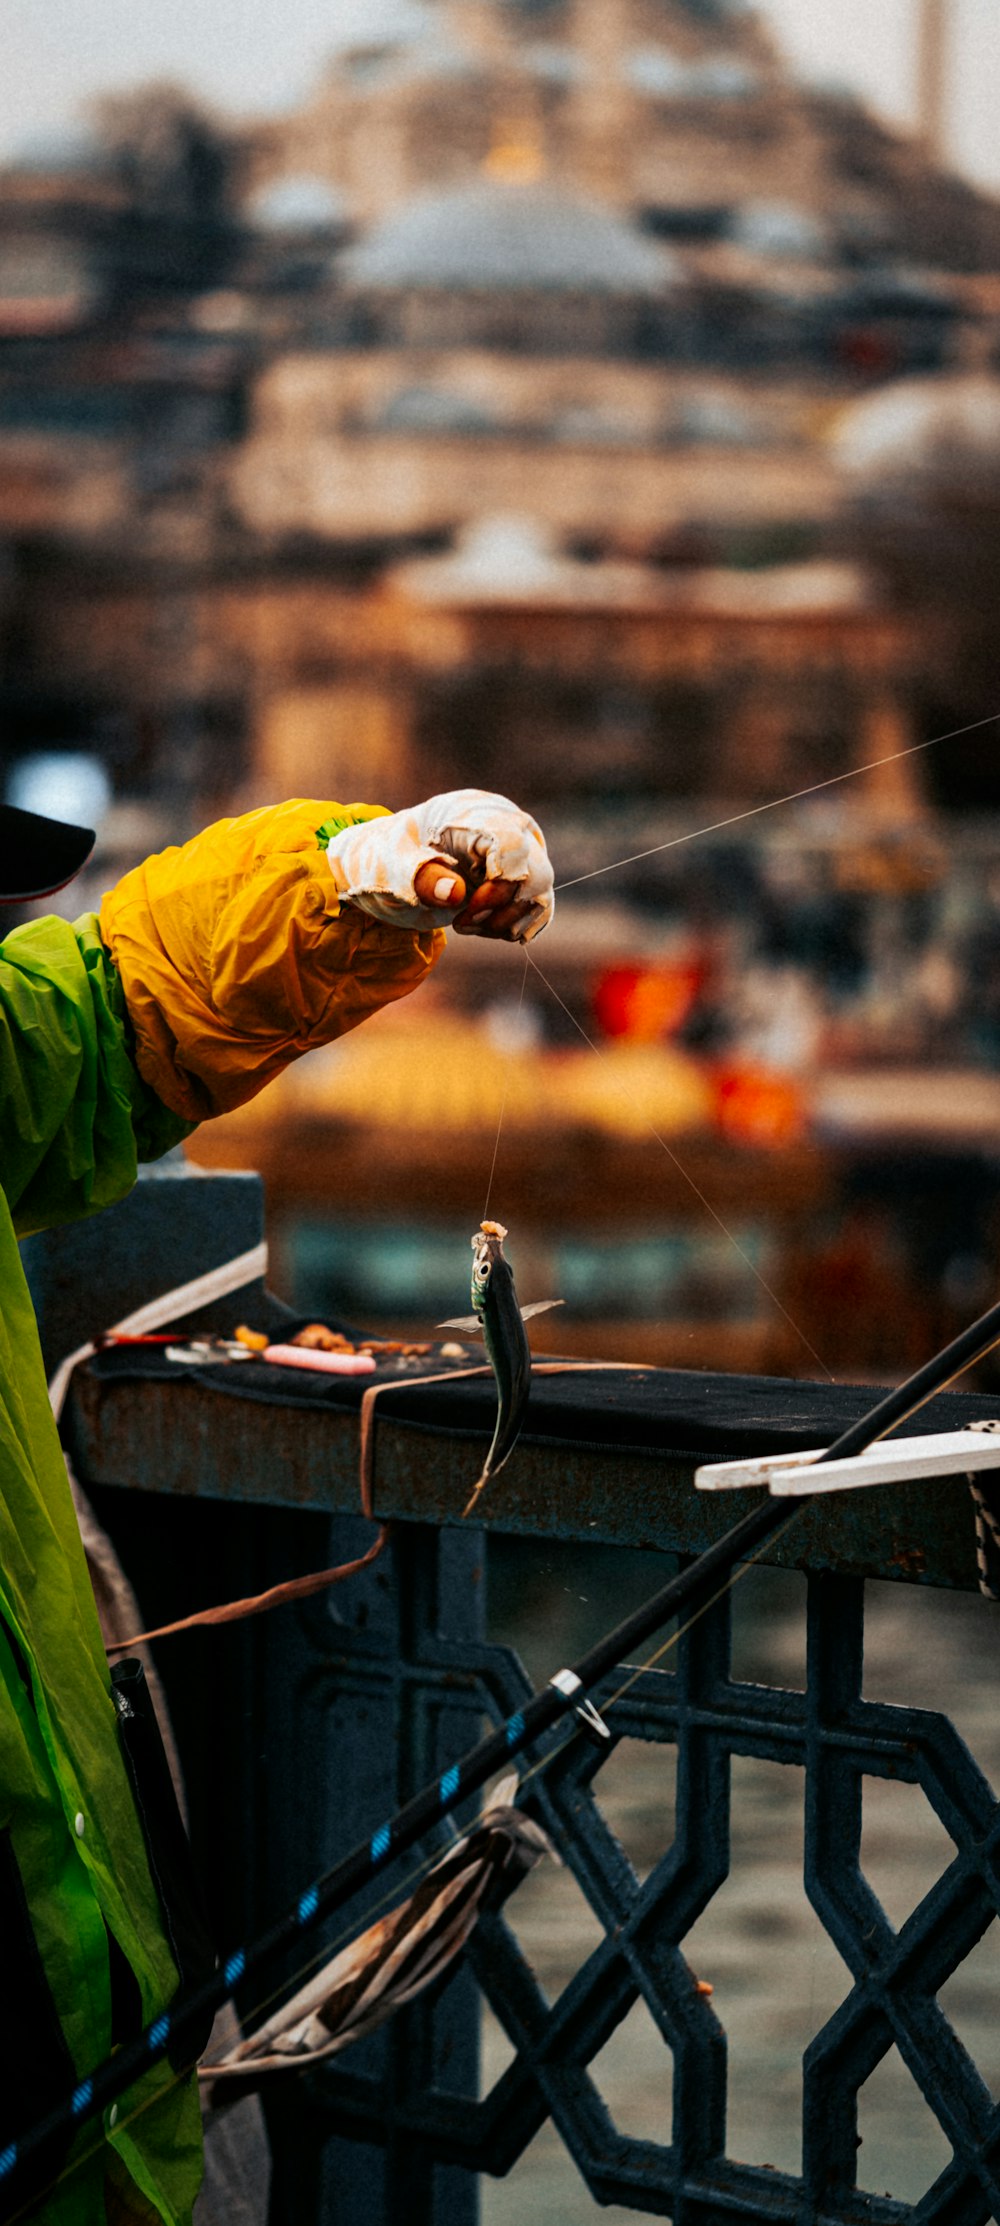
414, 2099
296, 1732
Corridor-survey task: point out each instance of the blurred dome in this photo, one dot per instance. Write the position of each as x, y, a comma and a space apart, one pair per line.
943, 428
498, 555
366, 26
297, 204
507, 557
509, 235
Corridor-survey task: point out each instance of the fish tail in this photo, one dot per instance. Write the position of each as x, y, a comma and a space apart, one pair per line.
470, 1503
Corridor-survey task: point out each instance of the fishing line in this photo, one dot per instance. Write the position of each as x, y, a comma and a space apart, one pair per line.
674, 842
737, 1547
774, 803
421, 1870
506, 1086
692, 1185
635, 1671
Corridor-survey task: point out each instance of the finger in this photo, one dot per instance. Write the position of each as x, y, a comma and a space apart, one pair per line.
483, 901
503, 923
493, 925
437, 883
490, 894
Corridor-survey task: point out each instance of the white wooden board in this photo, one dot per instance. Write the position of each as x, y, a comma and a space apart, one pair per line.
890, 1461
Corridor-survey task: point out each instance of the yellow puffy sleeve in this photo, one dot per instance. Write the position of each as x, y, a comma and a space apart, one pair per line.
235, 955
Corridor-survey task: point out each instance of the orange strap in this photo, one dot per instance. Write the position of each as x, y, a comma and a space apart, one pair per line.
298, 1588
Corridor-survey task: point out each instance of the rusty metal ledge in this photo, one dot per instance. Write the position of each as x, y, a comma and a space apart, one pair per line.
180, 1439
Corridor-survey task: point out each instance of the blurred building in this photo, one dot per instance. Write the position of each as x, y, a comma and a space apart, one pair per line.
679, 112
564, 398
598, 271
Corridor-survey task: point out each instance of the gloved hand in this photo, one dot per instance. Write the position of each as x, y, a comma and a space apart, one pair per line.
469, 854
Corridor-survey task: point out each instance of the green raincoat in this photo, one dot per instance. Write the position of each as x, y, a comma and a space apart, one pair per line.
73, 1868
213, 966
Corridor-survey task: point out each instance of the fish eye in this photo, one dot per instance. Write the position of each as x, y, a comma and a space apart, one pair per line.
483, 1269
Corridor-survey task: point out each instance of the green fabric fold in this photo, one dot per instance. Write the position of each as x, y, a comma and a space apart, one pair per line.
74, 1118
77, 1115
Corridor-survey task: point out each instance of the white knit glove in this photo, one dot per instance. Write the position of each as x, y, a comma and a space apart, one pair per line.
485, 837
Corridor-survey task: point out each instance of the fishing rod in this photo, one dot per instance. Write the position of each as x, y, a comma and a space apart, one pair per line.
22, 2161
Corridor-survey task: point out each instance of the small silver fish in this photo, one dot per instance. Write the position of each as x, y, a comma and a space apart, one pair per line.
501, 1320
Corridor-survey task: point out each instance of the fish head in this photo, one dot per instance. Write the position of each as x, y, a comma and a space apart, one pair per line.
487, 1254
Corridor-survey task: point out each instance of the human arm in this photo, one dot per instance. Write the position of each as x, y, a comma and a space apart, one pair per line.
272, 933
215, 964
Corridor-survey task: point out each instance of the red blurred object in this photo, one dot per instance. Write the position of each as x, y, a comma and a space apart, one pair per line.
868, 351
646, 1002
754, 1105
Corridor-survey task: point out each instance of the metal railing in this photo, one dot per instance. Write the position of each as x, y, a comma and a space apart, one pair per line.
298, 1730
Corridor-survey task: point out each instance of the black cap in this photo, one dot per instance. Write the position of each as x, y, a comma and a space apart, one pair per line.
38, 856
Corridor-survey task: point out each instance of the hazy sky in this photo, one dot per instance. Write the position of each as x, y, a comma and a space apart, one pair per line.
261, 54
